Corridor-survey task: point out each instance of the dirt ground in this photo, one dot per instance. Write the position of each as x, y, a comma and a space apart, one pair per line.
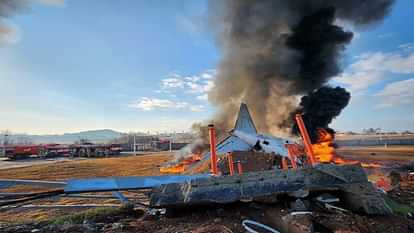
145, 165
6, 163
226, 219
389, 157
141, 165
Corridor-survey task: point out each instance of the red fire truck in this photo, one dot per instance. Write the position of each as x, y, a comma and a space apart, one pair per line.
22, 151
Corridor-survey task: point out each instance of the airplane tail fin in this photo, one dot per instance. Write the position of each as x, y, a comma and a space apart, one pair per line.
244, 121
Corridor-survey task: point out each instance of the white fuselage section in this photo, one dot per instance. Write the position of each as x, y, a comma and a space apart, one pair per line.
264, 143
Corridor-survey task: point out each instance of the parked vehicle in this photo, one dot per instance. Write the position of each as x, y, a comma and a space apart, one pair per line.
53, 150
23, 151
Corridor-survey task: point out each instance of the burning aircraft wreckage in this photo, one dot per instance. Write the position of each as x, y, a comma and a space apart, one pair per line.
246, 167
273, 52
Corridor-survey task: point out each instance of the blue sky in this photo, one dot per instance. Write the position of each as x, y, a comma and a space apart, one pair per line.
147, 66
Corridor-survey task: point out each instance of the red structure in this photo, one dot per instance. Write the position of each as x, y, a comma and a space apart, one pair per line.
306, 139
231, 163
239, 167
213, 153
26, 150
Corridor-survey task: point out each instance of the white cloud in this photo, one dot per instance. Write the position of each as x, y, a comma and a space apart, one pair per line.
391, 62
397, 93
172, 83
199, 84
406, 46
149, 104
372, 68
197, 108
357, 81
192, 78
209, 74
202, 97
199, 87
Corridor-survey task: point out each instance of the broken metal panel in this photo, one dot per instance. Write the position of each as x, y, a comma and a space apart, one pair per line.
231, 143
58, 206
249, 186
365, 197
125, 183
7, 183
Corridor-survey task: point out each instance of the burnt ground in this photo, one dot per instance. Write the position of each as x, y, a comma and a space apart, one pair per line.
198, 219
224, 219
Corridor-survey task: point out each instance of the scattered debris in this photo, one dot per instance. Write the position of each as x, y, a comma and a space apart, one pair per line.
327, 198
350, 180
248, 228
247, 190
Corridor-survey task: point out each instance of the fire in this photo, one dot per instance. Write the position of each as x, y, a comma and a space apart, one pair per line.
324, 151
182, 165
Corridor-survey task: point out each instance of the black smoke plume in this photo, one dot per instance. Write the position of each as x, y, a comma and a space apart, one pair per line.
274, 51
320, 107
320, 42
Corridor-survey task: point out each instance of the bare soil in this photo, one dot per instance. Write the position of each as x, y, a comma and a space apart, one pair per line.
391, 156
142, 165
202, 219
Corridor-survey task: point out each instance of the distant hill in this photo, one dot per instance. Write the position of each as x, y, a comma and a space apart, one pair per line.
95, 136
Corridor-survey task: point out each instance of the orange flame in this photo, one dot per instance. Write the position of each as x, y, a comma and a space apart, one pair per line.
383, 183
324, 151
182, 165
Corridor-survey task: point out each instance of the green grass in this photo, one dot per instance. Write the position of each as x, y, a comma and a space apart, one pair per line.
398, 208
94, 215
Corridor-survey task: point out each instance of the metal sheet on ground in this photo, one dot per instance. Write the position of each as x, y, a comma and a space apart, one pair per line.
126, 183
8, 183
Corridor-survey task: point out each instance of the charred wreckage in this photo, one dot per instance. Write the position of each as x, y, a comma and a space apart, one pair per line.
245, 166
273, 52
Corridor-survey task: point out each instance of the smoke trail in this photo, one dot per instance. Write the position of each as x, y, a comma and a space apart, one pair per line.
320, 107
275, 50
8, 8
